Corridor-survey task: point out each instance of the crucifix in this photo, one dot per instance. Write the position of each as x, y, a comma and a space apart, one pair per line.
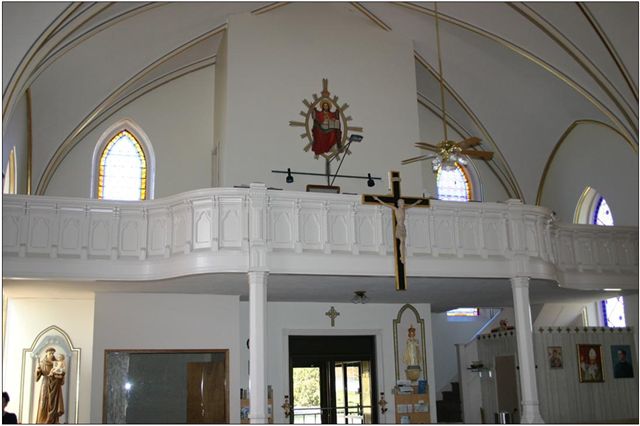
332, 313
398, 206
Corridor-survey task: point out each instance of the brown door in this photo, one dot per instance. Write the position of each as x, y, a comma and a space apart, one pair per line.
206, 392
507, 386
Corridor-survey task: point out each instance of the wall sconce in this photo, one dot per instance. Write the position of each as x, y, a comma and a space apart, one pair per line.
360, 297
382, 403
286, 406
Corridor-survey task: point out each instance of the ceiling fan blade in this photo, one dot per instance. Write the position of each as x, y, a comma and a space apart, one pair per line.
414, 159
469, 142
484, 155
423, 145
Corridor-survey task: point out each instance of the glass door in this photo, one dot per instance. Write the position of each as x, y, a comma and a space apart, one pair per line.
337, 392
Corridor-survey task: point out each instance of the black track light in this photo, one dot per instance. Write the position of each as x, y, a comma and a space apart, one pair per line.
370, 181
289, 177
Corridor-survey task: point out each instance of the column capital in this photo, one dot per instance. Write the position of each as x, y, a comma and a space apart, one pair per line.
520, 281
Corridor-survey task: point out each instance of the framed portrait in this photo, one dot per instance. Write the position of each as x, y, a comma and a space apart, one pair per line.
590, 363
621, 359
554, 355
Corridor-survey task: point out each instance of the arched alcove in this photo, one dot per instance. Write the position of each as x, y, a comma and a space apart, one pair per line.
52, 336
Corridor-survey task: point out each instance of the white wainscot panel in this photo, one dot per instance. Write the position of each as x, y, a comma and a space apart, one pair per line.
231, 226
203, 224
418, 231
366, 236
281, 225
444, 232
158, 232
180, 231
495, 234
604, 249
100, 228
11, 217
531, 236
469, 233
40, 226
584, 252
70, 240
311, 234
131, 233
339, 228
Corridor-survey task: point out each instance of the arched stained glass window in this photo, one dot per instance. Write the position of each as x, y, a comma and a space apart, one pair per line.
602, 213
613, 312
454, 184
122, 169
10, 174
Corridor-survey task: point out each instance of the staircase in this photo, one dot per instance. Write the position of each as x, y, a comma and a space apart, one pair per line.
449, 408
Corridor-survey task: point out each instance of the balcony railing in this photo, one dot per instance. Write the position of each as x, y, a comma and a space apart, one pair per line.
234, 230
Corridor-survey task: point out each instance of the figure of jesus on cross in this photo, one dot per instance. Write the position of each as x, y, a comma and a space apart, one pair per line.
398, 206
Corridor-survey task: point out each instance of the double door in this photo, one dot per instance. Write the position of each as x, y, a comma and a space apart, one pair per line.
332, 385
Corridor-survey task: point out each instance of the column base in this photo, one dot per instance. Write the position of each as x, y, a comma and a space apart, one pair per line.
259, 420
531, 413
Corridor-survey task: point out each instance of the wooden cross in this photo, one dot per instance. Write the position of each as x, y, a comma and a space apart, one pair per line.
332, 314
398, 213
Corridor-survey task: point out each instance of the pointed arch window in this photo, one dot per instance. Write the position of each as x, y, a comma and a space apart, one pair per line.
453, 184
9, 176
123, 164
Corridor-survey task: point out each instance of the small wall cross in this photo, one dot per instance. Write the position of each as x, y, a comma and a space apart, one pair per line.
332, 313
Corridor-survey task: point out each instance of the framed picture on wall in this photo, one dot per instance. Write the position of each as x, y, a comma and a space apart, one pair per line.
554, 355
621, 360
590, 363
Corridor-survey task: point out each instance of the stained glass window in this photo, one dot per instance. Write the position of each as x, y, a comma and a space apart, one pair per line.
602, 213
464, 312
453, 185
613, 312
122, 173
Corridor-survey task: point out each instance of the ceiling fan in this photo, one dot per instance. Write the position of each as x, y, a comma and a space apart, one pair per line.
447, 152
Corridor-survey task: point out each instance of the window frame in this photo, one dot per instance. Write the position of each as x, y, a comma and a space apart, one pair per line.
147, 149
470, 173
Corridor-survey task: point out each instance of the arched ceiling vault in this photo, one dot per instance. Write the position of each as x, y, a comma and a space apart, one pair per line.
565, 62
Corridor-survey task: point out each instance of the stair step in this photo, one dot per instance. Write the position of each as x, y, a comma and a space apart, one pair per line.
455, 387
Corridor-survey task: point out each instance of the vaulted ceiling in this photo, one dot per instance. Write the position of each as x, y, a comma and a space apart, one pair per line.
518, 74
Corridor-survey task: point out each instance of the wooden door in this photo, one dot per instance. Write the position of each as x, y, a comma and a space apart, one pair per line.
507, 386
206, 392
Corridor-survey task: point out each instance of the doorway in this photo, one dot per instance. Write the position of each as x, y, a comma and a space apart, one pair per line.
332, 379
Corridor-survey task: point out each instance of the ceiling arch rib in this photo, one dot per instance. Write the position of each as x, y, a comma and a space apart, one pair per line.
631, 53
499, 158
14, 87
191, 51
528, 56
78, 37
572, 50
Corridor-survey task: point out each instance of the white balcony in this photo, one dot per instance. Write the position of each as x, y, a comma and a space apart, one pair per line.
234, 230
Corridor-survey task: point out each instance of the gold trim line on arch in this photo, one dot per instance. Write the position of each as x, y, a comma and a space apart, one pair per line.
527, 55
563, 137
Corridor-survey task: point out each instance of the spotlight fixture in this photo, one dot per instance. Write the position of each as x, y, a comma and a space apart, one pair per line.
370, 181
355, 138
289, 177
360, 297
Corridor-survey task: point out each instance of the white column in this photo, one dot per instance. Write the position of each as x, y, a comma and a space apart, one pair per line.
526, 361
257, 346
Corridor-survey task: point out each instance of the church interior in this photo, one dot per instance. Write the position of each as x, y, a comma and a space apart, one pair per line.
320, 212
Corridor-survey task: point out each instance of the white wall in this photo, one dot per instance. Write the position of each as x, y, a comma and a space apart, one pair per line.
178, 119
165, 321
593, 155
26, 318
309, 42
285, 319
